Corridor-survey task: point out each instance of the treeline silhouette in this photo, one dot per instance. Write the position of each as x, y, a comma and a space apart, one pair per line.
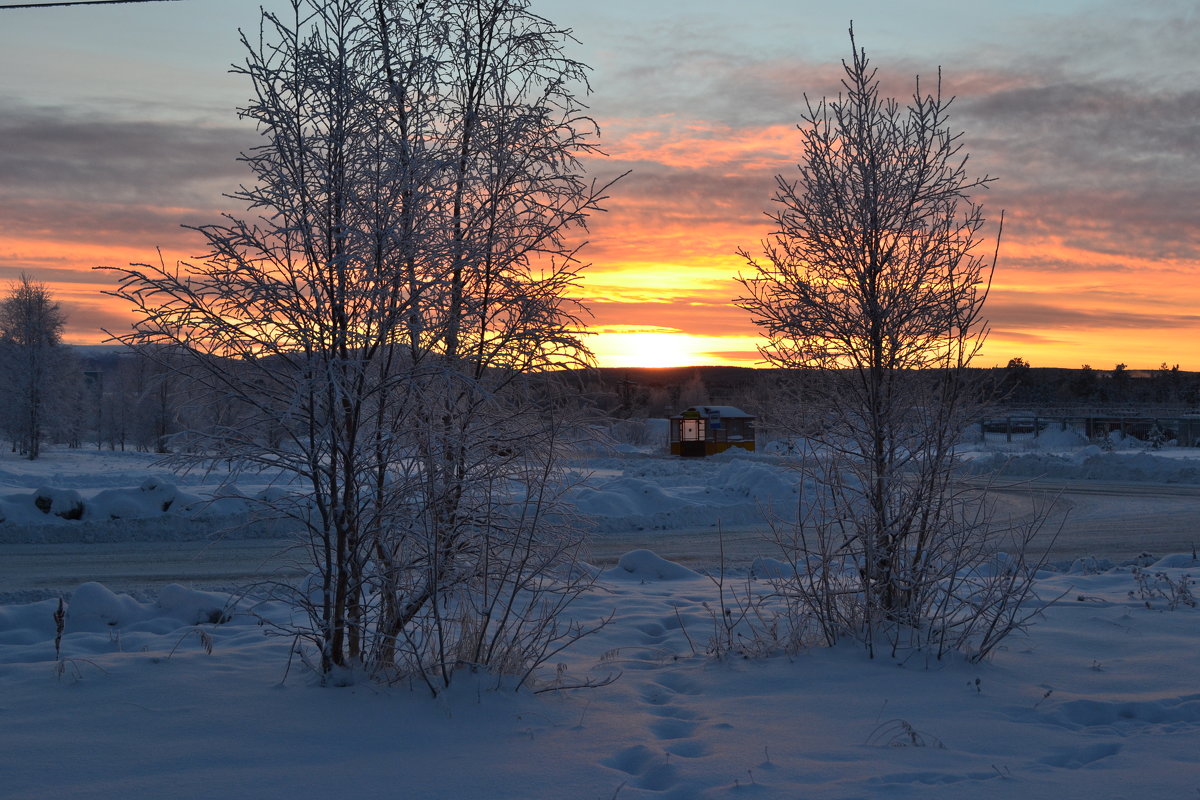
657, 392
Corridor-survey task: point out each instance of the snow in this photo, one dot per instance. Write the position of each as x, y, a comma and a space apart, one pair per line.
1091, 463
718, 411
96, 496
643, 491
186, 695
644, 565
1100, 697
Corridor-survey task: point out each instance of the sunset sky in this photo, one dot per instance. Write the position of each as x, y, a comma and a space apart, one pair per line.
117, 124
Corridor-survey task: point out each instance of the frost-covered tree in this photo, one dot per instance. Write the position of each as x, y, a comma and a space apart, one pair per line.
31, 325
378, 328
871, 291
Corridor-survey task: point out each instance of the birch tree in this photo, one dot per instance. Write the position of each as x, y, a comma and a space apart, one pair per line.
870, 291
31, 325
380, 325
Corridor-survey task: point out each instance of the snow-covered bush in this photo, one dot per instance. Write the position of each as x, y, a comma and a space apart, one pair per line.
963, 594
65, 503
648, 433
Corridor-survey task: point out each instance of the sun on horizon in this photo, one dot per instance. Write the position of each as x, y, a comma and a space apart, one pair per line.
671, 348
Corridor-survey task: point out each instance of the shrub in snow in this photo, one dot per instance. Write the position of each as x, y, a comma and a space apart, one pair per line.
65, 503
635, 435
963, 596
899, 733
1157, 438
1158, 585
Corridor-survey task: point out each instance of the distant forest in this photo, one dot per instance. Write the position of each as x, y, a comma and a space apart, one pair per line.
115, 399
645, 392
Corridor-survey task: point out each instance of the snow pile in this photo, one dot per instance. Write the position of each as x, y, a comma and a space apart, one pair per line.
645, 565
755, 480
627, 498
639, 492
103, 496
1089, 463
65, 503
150, 499
94, 608
1057, 438
766, 568
153, 498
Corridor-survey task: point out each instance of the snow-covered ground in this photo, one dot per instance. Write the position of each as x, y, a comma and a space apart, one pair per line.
1100, 700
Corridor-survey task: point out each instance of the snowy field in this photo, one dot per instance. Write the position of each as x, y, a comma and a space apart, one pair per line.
1100, 700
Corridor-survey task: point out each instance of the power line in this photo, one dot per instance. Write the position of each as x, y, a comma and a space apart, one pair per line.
80, 3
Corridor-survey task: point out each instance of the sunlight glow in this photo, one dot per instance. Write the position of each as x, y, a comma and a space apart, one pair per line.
657, 282
668, 348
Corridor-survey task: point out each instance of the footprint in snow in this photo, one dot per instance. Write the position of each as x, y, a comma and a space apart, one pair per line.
1077, 757
673, 729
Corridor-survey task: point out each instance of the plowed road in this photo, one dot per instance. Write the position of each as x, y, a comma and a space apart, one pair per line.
1116, 521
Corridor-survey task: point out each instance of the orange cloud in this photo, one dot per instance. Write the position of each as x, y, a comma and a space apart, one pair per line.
703, 145
1098, 262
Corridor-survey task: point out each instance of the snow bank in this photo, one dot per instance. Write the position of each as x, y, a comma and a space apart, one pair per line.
148, 500
101, 496
618, 493
153, 498
1089, 463
626, 497
155, 510
645, 565
65, 503
94, 608
639, 492
1056, 438
46, 504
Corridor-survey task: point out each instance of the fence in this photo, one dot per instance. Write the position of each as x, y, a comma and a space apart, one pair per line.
1184, 430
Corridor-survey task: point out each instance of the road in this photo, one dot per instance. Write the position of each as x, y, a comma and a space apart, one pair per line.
1116, 521
35, 571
